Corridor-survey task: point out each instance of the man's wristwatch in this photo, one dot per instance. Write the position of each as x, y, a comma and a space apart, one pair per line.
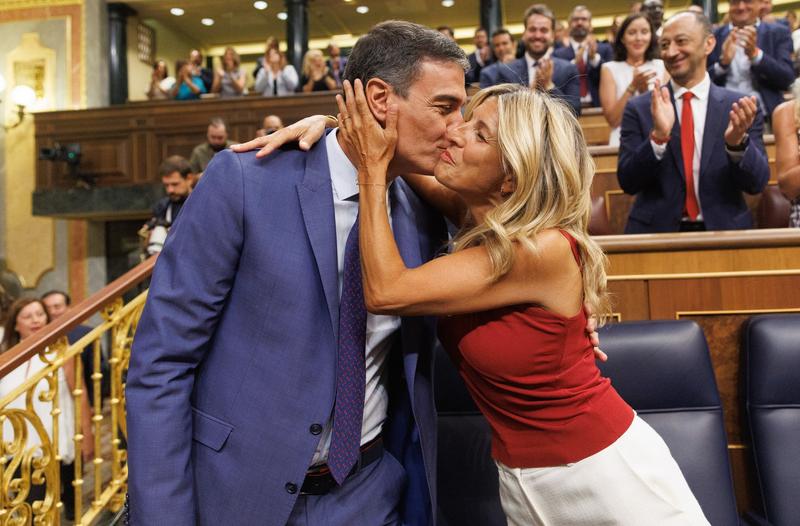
742, 146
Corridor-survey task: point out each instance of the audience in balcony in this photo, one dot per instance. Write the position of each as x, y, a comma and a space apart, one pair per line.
177, 177
336, 63
786, 125
216, 141
481, 57
188, 85
633, 71
538, 68
198, 70
25, 317
752, 56
160, 82
316, 75
688, 172
230, 79
277, 77
271, 124
272, 43
586, 53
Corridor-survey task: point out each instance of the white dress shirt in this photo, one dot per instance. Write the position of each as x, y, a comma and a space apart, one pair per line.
380, 329
739, 77
699, 107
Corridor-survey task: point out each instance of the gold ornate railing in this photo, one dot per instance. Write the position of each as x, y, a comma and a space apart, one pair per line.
47, 418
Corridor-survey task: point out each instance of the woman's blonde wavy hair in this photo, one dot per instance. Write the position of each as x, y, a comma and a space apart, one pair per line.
542, 146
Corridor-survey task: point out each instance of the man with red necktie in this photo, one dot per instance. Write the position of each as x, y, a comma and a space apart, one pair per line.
690, 149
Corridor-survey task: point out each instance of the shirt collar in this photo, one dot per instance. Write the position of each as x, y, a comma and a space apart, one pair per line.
530, 60
344, 176
700, 91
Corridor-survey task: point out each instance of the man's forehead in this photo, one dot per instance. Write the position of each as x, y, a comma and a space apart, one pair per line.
440, 81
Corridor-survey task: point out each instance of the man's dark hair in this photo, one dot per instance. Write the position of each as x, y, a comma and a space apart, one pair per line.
448, 29
175, 163
481, 29
393, 51
49, 293
621, 53
217, 122
542, 10
502, 31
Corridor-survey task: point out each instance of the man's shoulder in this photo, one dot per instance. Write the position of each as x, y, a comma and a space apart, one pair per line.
777, 30
564, 52
640, 103
200, 149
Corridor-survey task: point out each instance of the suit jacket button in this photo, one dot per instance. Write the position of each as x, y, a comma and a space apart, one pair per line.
291, 488
315, 429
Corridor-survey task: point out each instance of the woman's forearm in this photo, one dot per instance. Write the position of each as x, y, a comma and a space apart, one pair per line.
381, 262
789, 182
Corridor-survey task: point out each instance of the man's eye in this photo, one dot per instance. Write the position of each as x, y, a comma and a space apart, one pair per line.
444, 110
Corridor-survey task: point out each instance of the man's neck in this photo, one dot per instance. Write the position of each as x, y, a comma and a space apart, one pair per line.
578, 40
353, 157
537, 56
692, 82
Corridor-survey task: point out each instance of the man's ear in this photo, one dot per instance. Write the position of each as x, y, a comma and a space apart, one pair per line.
378, 94
711, 43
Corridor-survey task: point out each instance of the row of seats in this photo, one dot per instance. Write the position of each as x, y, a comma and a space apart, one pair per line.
663, 369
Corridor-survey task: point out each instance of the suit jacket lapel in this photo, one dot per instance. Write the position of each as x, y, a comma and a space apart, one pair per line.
407, 238
715, 120
674, 145
316, 202
522, 71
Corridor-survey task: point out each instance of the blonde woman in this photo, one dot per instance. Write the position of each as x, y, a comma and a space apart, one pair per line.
316, 75
229, 81
510, 297
786, 126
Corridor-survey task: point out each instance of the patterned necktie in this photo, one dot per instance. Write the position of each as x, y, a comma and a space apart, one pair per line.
687, 151
348, 411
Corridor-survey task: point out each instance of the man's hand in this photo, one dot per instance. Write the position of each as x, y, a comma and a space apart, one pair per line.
591, 44
742, 115
729, 48
662, 111
591, 331
544, 74
748, 37
641, 79
306, 131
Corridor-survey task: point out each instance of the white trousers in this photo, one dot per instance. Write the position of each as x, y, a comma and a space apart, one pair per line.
632, 482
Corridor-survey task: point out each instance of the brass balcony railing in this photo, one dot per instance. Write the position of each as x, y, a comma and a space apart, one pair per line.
32, 417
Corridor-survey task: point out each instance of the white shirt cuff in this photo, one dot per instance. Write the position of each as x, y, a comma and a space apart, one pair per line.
658, 149
759, 56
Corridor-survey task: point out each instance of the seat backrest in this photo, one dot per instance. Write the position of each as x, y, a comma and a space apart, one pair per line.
772, 394
773, 209
663, 370
467, 487
598, 221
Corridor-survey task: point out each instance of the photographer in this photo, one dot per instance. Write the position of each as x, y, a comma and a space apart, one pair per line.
178, 179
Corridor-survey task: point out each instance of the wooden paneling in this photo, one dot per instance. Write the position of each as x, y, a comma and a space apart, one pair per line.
718, 280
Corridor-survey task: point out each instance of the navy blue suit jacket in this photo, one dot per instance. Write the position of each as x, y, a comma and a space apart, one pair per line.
234, 358
474, 73
659, 186
592, 72
774, 74
565, 78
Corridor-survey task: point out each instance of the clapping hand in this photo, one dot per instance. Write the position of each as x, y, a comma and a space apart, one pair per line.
729, 48
641, 79
544, 74
373, 143
662, 111
742, 114
747, 37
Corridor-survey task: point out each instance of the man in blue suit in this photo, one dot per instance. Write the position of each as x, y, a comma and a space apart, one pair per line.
538, 68
233, 379
586, 53
752, 56
481, 57
689, 150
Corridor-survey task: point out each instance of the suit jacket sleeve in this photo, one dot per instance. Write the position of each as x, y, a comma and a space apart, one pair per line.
570, 90
775, 69
717, 77
190, 284
637, 165
751, 173
488, 76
